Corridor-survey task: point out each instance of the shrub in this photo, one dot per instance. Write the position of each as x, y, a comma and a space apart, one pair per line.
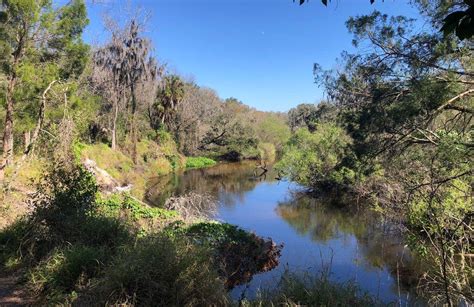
11, 242
118, 205
66, 212
198, 162
267, 152
315, 158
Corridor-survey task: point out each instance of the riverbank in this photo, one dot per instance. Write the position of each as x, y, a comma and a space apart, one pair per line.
79, 246
108, 249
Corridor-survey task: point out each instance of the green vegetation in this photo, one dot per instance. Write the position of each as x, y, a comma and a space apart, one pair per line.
314, 159
164, 271
308, 290
199, 162
397, 134
117, 112
76, 238
459, 21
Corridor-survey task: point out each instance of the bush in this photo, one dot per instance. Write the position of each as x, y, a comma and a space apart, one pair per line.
161, 271
11, 242
199, 162
267, 152
66, 212
315, 158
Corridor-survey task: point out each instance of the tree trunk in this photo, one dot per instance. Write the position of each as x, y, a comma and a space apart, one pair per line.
27, 137
134, 128
40, 121
8, 131
114, 126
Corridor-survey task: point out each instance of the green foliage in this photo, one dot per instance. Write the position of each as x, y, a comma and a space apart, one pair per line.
119, 204
237, 253
167, 100
408, 138
315, 158
267, 152
163, 136
460, 22
272, 129
34, 61
199, 162
309, 115
217, 233
429, 215
65, 213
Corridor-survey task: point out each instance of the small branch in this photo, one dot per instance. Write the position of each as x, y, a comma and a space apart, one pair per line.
455, 98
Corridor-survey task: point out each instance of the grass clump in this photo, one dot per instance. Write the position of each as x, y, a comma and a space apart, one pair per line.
66, 270
199, 162
163, 271
298, 289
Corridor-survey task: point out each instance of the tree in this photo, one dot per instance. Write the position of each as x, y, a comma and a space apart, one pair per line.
408, 106
315, 158
308, 115
167, 100
127, 61
193, 116
41, 42
106, 77
458, 20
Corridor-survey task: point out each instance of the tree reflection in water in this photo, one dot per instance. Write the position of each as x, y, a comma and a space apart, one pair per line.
228, 182
380, 243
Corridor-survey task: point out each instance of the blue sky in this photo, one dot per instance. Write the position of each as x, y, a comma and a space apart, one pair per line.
259, 51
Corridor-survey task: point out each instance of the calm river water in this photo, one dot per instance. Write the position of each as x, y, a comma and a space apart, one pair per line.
353, 245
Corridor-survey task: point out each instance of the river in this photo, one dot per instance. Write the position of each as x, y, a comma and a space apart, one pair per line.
351, 243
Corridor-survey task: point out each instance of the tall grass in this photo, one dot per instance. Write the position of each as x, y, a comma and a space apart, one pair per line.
304, 289
163, 271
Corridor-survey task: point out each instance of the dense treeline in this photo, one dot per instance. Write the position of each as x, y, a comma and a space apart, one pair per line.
398, 131
117, 93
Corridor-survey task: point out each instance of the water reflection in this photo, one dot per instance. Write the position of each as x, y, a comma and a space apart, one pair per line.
380, 243
358, 245
227, 182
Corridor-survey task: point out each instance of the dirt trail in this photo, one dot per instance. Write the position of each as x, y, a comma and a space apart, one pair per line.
13, 294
